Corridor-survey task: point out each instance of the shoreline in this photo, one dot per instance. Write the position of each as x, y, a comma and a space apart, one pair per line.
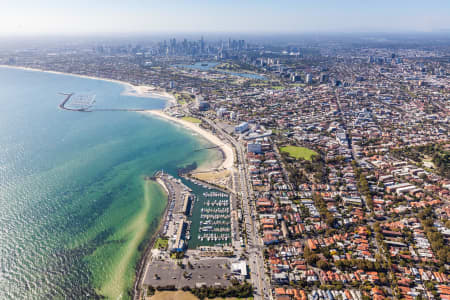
226, 149
227, 160
145, 91
142, 264
151, 92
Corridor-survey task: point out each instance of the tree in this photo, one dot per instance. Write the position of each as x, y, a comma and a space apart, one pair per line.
307, 252
312, 259
150, 290
322, 264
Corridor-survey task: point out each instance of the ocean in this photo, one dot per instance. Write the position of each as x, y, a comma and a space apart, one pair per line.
75, 210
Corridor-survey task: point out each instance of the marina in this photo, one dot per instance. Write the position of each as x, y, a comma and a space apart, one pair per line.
210, 217
74, 102
197, 228
180, 200
196, 214
87, 103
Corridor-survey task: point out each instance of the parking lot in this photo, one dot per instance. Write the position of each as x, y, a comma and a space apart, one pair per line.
201, 271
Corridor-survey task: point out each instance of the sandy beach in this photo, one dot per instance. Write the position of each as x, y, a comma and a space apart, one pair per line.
129, 89
152, 92
227, 163
110, 286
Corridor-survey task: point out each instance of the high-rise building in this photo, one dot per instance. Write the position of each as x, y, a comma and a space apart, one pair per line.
202, 45
221, 112
241, 127
295, 77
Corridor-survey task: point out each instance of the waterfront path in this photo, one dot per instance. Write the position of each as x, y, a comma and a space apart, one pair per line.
254, 244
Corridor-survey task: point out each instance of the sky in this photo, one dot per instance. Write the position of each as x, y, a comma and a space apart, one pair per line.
18, 17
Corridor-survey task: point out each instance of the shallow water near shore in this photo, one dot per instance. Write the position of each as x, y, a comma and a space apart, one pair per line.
74, 207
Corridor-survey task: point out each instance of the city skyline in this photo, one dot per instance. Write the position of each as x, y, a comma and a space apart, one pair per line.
225, 150
52, 17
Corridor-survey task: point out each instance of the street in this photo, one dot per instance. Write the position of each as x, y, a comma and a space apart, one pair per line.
254, 245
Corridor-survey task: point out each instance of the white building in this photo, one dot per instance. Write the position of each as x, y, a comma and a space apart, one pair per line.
239, 268
243, 127
221, 112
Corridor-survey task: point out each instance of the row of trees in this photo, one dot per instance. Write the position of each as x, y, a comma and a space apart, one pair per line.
151, 289
363, 185
362, 264
436, 239
237, 290
323, 210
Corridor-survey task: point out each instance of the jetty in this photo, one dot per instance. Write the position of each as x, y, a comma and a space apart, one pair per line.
119, 109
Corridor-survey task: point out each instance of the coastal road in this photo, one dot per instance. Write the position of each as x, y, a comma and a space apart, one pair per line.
254, 244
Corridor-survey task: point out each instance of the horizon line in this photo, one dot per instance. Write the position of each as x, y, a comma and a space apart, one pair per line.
275, 32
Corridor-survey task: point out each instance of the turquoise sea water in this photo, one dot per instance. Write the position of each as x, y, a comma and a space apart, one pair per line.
74, 208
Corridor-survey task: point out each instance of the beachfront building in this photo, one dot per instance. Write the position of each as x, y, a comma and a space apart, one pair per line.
202, 105
241, 128
221, 112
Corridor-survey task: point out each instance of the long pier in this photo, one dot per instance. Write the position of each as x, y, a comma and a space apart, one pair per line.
119, 109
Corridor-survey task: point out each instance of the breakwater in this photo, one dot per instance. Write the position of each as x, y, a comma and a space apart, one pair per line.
88, 106
74, 206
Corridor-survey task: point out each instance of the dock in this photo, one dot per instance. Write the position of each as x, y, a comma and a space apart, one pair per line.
180, 202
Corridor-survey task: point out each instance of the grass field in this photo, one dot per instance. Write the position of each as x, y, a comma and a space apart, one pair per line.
192, 120
161, 243
276, 87
299, 152
183, 98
